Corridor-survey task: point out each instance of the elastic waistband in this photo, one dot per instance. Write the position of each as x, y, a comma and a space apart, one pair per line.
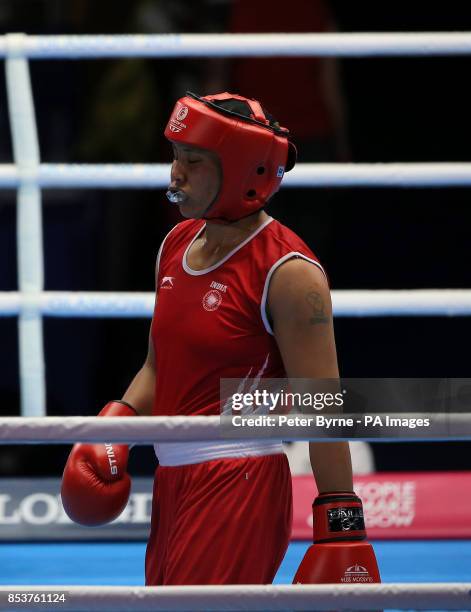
186, 453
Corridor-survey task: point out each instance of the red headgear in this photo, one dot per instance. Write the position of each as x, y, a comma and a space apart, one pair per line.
254, 155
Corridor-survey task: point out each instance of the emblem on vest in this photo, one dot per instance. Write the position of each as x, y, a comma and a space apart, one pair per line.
167, 282
212, 300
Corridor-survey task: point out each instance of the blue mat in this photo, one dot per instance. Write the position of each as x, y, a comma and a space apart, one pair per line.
123, 563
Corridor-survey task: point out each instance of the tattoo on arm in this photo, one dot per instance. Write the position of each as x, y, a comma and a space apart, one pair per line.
316, 302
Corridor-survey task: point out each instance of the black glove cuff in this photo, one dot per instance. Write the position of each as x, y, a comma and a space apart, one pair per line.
126, 404
336, 496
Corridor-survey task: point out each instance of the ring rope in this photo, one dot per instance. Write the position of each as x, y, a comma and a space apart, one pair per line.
138, 176
346, 303
356, 44
412, 596
152, 429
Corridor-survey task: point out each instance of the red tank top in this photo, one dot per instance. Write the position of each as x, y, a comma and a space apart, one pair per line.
212, 324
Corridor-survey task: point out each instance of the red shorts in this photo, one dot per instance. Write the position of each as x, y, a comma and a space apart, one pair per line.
225, 521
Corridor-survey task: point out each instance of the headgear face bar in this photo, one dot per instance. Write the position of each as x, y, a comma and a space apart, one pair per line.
254, 155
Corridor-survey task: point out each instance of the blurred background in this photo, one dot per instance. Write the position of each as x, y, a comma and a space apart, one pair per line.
345, 110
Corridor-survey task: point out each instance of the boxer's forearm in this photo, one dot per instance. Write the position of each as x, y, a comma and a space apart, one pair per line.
140, 393
331, 466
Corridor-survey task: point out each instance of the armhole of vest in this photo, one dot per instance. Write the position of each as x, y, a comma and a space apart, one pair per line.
159, 255
275, 266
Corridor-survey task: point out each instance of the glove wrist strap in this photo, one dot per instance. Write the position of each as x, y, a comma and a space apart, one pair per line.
338, 517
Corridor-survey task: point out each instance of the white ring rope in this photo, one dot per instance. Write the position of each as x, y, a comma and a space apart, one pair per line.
401, 302
346, 303
135, 430
149, 430
412, 596
344, 44
78, 304
139, 176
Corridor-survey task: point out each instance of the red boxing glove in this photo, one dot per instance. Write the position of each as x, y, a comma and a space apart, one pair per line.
340, 553
95, 485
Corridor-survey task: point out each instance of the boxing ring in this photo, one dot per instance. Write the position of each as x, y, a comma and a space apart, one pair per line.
31, 303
